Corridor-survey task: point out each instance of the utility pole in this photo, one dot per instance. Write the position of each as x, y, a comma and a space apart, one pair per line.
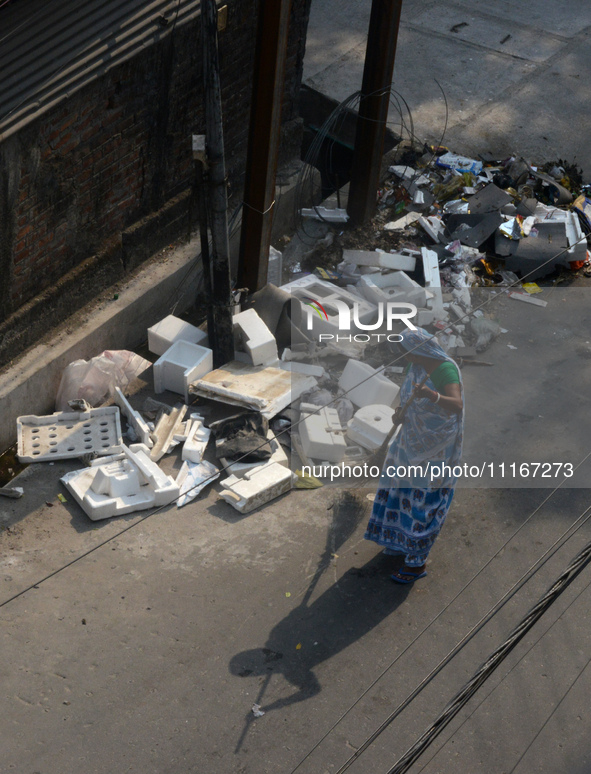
263, 143
221, 334
373, 109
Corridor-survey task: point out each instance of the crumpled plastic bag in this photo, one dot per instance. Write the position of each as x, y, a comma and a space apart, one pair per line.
485, 330
95, 380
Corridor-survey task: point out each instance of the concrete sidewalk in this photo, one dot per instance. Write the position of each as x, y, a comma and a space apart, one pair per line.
516, 75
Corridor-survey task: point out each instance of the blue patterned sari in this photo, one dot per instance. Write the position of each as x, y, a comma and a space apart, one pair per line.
409, 508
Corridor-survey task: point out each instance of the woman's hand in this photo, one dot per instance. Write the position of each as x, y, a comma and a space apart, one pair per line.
449, 400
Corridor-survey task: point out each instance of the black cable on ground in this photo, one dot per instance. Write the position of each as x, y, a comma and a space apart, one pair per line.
583, 518
493, 661
505, 676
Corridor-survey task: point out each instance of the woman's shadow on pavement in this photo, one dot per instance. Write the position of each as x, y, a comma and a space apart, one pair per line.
313, 633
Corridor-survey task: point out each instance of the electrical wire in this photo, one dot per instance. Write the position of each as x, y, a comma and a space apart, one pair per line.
505, 676
538, 564
572, 571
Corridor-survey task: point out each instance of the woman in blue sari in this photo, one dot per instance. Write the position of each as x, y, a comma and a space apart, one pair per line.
411, 505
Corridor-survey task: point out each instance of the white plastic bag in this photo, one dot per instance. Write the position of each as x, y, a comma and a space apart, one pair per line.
95, 380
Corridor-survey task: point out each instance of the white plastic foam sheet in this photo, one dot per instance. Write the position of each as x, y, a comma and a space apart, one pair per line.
68, 434
124, 483
193, 478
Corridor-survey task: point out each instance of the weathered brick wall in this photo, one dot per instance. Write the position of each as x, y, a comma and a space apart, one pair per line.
116, 152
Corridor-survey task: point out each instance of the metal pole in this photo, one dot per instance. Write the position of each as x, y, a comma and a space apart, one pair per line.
263, 143
373, 109
221, 336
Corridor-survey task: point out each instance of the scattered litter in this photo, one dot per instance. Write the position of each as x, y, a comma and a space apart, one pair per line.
257, 711
180, 365
196, 442
61, 498
511, 346
485, 331
403, 222
321, 433
242, 434
167, 427
14, 492
193, 478
307, 481
95, 380
135, 419
532, 288
459, 163
528, 299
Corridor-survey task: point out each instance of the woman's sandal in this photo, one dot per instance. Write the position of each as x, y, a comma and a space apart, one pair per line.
401, 576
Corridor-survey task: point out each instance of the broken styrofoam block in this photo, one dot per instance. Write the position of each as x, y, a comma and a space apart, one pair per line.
376, 290
180, 365
252, 335
134, 418
168, 426
403, 222
528, 299
433, 282
433, 226
404, 261
240, 468
131, 482
196, 441
321, 433
68, 434
302, 368
331, 309
370, 426
365, 385
164, 334
257, 487
335, 215
268, 390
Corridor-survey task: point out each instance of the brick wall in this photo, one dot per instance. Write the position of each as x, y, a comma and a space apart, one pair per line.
116, 152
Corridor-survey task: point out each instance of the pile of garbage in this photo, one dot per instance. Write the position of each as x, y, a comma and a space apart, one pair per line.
308, 372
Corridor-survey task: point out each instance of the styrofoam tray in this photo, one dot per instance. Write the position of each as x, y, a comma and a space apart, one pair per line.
68, 434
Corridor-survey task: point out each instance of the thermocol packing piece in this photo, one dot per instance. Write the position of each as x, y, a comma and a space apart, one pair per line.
124, 483
163, 335
370, 426
252, 335
321, 433
364, 385
181, 364
257, 487
68, 434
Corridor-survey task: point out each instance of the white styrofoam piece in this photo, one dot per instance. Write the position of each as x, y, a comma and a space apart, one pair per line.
401, 261
239, 469
251, 333
377, 292
134, 418
326, 294
257, 487
275, 267
162, 335
321, 433
335, 215
197, 440
301, 368
268, 390
370, 426
181, 364
433, 226
364, 385
68, 434
433, 282
403, 222
131, 483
